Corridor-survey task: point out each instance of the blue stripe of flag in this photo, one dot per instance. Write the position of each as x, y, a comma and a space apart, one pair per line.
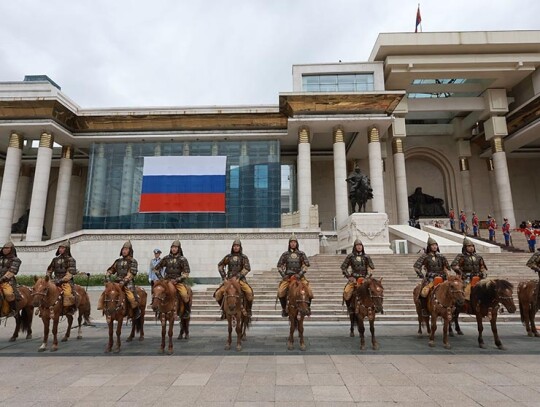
178, 184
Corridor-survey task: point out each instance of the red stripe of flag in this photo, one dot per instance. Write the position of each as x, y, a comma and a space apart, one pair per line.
182, 203
418, 19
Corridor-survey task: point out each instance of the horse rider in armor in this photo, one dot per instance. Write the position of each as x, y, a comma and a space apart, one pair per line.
435, 265
63, 267
238, 267
177, 271
468, 265
125, 268
9, 267
293, 262
361, 266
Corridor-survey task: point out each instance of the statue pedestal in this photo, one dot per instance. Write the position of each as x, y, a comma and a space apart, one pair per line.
370, 228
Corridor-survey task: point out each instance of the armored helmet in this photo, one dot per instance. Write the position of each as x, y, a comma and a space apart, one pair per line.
67, 245
358, 241
238, 242
467, 242
431, 241
294, 239
128, 245
176, 243
11, 246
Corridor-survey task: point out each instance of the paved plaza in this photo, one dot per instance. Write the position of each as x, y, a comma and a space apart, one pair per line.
332, 372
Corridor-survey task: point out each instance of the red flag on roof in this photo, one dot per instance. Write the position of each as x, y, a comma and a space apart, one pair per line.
418, 20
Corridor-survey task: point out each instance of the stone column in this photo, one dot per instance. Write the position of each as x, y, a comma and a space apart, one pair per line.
466, 185
502, 179
23, 192
494, 193
38, 201
73, 220
376, 170
126, 190
98, 182
400, 176
340, 176
62, 193
9, 185
304, 176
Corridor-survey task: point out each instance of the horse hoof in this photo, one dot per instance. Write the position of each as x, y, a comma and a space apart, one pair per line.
107, 350
431, 344
141, 339
79, 336
129, 339
351, 335
170, 352
64, 339
42, 349
290, 347
303, 348
447, 346
362, 347
483, 346
238, 348
460, 332
12, 339
116, 350
29, 336
419, 334
161, 351
530, 334
186, 336
54, 349
227, 347
501, 347
376, 346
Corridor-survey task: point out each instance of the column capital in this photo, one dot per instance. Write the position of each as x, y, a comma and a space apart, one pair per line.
489, 163
497, 145
46, 140
338, 134
373, 135
303, 135
67, 152
397, 145
463, 164
16, 141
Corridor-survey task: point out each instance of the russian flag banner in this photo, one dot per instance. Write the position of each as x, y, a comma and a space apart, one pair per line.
183, 184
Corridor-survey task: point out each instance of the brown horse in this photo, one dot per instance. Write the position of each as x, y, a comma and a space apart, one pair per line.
368, 299
441, 302
422, 319
115, 309
485, 299
235, 312
48, 298
24, 315
297, 307
528, 305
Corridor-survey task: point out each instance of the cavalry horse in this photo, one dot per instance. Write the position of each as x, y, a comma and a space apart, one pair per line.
441, 302
235, 312
297, 308
485, 299
422, 319
115, 309
24, 315
368, 300
166, 305
47, 297
528, 305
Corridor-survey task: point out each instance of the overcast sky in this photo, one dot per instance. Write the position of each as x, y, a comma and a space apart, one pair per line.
112, 53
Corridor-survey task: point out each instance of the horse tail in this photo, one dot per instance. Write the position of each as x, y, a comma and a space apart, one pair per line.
26, 319
138, 324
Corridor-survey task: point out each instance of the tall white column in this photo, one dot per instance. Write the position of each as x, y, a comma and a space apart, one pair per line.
466, 185
9, 185
128, 173
340, 176
23, 192
73, 221
304, 176
39, 190
376, 170
494, 193
62, 193
400, 177
502, 180
98, 183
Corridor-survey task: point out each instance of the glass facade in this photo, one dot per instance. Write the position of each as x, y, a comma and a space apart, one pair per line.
359, 82
252, 196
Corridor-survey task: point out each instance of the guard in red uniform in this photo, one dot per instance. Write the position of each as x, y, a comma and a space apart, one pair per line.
452, 217
506, 231
492, 226
475, 224
463, 222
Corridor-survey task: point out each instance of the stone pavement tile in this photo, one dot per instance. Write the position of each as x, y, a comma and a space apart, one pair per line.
126, 379
260, 367
54, 404
531, 403
331, 393
256, 393
219, 394
325, 379
482, 393
519, 393
202, 403
295, 403
321, 368
192, 379
292, 379
8, 391
351, 369
393, 379
143, 394
289, 360
335, 404
20, 403
504, 368
318, 359
372, 359
244, 360
179, 395
462, 403
445, 379
502, 404
441, 393
381, 368
254, 404
525, 378
409, 365
48, 393
293, 393
231, 368
159, 379
407, 393
94, 404
497, 379
362, 379
532, 368
280, 369
259, 379
90, 380
224, 379
370, 393
345, 359
107, 394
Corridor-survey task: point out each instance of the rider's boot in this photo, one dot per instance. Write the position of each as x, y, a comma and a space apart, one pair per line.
423, 305
12, 309
283, 302
350, 310
249, 304
187, 310
136, 313
308, 308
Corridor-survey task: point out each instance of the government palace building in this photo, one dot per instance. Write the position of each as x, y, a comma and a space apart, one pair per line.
456, 114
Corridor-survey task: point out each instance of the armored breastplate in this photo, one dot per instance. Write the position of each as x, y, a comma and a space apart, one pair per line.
471, 264
122, 267
434, 264
5, 263
358, 266
60, 265
235, 264
294, 262
174, 267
